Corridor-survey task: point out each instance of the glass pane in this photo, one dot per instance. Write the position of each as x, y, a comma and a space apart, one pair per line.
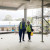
46, 16
9, 19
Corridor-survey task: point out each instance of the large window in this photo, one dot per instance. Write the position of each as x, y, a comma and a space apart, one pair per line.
9, 19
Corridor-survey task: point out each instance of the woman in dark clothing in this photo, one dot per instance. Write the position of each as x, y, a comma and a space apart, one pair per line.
29, 29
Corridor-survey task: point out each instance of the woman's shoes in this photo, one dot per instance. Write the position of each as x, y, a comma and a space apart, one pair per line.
29, 40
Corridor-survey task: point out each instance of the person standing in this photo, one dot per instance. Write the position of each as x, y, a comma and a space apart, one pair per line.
29, 29
22, 29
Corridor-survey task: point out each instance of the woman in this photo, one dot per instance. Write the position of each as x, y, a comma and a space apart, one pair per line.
29, 30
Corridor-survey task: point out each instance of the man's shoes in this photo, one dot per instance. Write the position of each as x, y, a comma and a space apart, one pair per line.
19, 41
23, 40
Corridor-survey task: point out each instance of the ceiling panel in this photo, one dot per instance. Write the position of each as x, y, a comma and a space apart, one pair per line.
23, 3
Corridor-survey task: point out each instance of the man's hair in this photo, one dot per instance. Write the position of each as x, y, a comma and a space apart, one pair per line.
23, 19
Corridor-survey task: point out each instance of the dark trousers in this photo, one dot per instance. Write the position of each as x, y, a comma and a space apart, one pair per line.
29, 35
21, 32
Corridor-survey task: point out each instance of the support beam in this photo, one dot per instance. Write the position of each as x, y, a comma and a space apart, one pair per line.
20, 6
25, 14
11, 8
47, 22
42, 20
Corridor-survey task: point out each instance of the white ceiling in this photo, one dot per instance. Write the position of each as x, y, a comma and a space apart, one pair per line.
16, 4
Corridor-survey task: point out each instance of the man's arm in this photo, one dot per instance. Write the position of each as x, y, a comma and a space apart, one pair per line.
19, 25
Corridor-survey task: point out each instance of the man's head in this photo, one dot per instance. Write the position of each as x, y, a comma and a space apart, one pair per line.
23, 20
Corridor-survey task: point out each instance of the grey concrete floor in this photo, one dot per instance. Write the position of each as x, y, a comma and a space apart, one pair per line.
11, 42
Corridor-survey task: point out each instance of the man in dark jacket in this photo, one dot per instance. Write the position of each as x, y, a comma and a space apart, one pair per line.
22, 29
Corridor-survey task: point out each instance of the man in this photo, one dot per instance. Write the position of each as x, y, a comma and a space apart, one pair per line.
22, 29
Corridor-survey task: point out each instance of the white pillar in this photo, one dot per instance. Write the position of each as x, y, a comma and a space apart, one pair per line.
25, 14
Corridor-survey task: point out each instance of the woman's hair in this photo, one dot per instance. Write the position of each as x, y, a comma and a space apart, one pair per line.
28, 22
